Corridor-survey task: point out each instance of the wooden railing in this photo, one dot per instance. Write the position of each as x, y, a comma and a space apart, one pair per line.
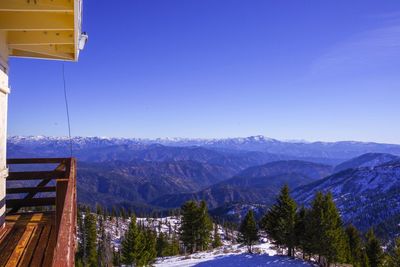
64, 199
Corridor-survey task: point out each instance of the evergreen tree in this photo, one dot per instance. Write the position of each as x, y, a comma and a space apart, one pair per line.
116, 257
373, 249
149, 252
364, 259
394, 260
204, 227
314, 226
188, 229
333, 240
196, 226
113, 213
129, 212
104, 214
217, 239
104, 253
90, 239
123, 213
355, 246
99, 209
101, 246
248, 232
174, 246
81, 239
302, 240
78, 261
131, 244
162, 245
169, 228
279, 222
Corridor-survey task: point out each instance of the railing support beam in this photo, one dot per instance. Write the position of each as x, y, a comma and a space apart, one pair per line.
61, 192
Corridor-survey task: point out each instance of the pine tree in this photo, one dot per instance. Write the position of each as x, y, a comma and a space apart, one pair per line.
104, 214
113, 213
162, 245
78, 261
204, 227
314, 226
116, 258
394, 260
131, 246
90, 239
248, 232
364, 259
188, 229
99, 209
355, 246
373, 249
333, 240
302, 240
123, 213
393, 257
140, 248
196, 226
81, 239
174, 246
129, 212
101, 245
217, 239
149, 252
279, 222
104, 253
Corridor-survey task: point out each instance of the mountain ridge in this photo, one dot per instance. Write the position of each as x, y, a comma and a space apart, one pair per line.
329, 152
254, 185
365, 196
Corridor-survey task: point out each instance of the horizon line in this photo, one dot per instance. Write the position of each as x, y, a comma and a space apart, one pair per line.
201, 139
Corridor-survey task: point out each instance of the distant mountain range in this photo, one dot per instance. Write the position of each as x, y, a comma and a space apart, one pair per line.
330, 152
232, 174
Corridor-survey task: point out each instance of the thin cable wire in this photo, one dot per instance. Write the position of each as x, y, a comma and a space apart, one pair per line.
67, 109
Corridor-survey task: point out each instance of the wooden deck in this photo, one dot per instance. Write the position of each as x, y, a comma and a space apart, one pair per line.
28, 239
40, 238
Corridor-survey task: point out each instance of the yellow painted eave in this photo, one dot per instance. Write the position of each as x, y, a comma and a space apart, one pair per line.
47, 29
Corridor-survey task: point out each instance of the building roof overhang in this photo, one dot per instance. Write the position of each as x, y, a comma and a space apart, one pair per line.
46, 29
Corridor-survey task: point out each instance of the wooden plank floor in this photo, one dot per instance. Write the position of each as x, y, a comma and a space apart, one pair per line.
28, 239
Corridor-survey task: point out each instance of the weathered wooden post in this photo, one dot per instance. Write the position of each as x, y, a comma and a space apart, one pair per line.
4, 91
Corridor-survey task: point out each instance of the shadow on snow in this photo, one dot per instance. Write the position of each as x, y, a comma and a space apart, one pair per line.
254, 260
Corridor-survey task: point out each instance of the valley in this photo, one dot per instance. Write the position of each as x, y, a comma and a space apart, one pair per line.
232, 175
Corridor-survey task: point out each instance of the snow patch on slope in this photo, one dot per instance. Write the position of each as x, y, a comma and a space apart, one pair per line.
233, 255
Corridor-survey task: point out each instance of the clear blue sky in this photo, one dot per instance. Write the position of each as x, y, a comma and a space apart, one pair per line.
314, 70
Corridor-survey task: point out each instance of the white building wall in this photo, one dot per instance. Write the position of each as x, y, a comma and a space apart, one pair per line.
4, 90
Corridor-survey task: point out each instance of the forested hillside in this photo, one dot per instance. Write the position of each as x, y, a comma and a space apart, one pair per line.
232, 175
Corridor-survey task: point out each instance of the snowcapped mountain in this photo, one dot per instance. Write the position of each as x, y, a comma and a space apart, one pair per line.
330, 152
232, 143
366, 196
148, 174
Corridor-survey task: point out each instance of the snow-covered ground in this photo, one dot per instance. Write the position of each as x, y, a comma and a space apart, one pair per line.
233, 255
167, 225
230, 254
116, 230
